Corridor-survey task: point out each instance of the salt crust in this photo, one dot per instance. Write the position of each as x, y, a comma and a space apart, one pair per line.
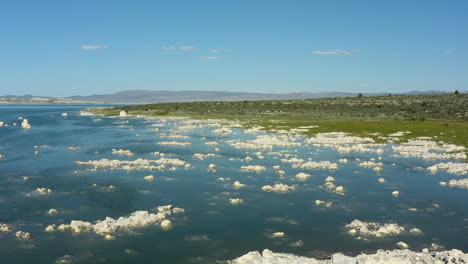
109, 226
429, 150
25, 124
279, 188
374, 229
130, 165
123, 152
463, 183
396, 256
174, 143
253, 168
265, 142
313, 165
450, 167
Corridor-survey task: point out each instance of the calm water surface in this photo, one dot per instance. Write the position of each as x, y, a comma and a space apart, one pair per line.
211, 229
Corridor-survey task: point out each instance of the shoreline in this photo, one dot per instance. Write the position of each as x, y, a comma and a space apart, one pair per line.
448, 131
395, 256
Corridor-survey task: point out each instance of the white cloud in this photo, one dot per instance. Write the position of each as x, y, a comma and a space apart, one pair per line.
168, 48
332, 52
448, 52
181, 48
210, 58
92, 47
186, 48
214, 51
363, 84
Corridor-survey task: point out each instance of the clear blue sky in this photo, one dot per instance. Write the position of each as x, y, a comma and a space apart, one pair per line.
63, 47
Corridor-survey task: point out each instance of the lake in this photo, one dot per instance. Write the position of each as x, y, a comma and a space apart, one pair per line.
211, 228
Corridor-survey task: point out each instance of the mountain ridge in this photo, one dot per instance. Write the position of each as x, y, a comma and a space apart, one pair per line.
166, 96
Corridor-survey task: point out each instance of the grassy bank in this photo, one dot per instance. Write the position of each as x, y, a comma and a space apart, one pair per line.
442, 117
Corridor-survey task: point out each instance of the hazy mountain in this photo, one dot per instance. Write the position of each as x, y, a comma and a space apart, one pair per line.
146, 97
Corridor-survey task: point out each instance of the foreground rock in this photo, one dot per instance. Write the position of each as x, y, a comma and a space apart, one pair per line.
25, 124
381, 257
374, 229
5, 228
109, 226
279, 188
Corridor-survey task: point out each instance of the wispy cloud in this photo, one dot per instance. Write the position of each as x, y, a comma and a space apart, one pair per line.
363, 84
214, 51
210, 58
332, 52
181, 48
93, 47
448, 52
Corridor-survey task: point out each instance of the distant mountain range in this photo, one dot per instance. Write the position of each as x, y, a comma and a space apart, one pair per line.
147, 97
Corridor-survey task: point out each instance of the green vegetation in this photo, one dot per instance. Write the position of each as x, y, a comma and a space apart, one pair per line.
440, 116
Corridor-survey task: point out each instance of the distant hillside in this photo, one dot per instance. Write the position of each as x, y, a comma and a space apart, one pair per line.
28, 99
147, 97
395, 107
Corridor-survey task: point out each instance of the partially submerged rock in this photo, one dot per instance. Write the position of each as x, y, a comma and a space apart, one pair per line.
25, 124
236, 201
166, 225
23, 235
337, 138
178, 210
253, 168
149, 178
375, 229
43, 191
319, 202
278, 188
429, 150
109, 226
131, 165
450, 167
303, 176
312, 165
402, 245
237, 185
175, 143
463, 183
330, 185
123, 152
50, 228
53, 211
223, 130
201, 156
278, 234
265, 142
5, 228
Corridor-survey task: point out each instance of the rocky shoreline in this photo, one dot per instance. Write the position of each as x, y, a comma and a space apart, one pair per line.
396, 256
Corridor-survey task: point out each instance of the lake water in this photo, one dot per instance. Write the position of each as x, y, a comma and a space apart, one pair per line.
211, 228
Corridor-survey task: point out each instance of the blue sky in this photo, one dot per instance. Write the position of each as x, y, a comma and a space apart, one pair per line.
63, 48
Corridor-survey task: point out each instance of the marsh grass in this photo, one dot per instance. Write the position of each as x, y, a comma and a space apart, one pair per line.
442, 117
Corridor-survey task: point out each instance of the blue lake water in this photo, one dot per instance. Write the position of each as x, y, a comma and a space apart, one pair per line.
211, 229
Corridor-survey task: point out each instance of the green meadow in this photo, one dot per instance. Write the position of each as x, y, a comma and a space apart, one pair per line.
442, 117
